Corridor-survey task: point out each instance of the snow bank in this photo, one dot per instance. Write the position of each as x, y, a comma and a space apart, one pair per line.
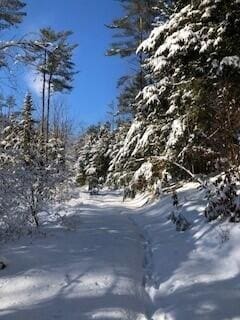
195, 274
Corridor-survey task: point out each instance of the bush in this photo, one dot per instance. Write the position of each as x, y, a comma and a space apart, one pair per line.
182, 224
223, 201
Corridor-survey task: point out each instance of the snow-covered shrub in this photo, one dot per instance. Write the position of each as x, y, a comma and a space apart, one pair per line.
180, 221
223, 200
29, 172
182, 224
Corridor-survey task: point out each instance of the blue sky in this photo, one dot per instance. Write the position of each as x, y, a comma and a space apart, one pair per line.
95, 84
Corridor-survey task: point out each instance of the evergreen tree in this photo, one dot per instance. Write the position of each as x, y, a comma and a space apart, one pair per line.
134, 26
28, 131
193, 64
51, 56
188, 111
10, 105
11, 13
116, 165
94, 154
60, 67
131, 30
25, 174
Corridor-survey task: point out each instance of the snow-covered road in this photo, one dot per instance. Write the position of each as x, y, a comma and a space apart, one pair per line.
90, 267
105, 259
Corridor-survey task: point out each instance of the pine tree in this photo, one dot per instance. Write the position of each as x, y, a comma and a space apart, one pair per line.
188, 111
126, 100
10, 105
11, 13
51, 56
94, 154
193, 65
28, 131
60, 67
131, 30
134, 26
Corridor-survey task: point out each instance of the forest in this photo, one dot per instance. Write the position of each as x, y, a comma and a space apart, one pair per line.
162, 171
177, 114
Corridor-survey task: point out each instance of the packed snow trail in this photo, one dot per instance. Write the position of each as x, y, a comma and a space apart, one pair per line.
105, 259
88, 267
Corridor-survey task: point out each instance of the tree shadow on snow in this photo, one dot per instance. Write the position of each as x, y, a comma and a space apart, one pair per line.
69, 260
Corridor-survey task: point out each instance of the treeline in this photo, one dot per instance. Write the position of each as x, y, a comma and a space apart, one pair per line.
179, 108
33, 158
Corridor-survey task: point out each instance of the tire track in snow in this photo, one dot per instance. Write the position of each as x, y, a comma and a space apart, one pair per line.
147, 264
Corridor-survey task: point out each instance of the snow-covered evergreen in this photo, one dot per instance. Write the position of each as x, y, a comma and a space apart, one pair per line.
193, 66
28, 177
93, 152
188, 112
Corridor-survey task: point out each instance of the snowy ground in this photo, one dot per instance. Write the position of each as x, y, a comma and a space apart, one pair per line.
195, 274
114, 260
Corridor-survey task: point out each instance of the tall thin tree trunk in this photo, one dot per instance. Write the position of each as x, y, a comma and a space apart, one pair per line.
141, 54
43, 95
1, 117
48, 106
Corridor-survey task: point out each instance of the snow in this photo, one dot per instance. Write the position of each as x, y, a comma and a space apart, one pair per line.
206, 44
145, 139
177, 131
193, 275
159, 63
93, 271
144, 171
105, 259
150, 94
171, 42
131, 139
207, 13
175, 42
149, 43
231, 61
205, 2
91, 171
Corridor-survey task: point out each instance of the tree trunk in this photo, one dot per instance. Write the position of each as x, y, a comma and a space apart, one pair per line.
141, 55
48, 106
43, 95
33, 209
